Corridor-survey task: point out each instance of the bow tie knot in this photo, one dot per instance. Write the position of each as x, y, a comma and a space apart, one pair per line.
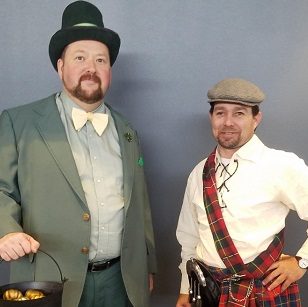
98, 120
90, 116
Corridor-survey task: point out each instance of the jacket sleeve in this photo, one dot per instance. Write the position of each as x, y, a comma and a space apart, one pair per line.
10, 210
149, 233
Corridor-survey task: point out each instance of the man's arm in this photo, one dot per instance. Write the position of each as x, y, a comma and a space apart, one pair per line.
13, 242
293, 188
187, 233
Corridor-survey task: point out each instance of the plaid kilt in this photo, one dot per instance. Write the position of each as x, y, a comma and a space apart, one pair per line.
259, 297
241, 284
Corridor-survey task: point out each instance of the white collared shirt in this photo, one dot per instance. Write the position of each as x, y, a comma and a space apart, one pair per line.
266, 183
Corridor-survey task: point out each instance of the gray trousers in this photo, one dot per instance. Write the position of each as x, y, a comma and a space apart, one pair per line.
105, 289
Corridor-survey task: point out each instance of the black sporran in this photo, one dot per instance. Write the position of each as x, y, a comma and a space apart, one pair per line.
204, 290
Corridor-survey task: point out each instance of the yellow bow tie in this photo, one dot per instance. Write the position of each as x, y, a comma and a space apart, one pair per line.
98, 120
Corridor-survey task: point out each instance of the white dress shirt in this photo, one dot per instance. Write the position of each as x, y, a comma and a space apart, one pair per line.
264, 185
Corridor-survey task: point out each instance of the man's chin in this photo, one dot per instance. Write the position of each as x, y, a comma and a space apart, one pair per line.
89, 98
228, 145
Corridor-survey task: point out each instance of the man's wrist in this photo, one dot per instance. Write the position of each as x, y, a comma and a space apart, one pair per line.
302, 262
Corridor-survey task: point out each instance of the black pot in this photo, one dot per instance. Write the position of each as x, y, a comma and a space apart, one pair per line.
52, 290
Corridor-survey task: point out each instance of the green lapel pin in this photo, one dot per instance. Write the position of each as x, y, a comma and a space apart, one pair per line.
140, 162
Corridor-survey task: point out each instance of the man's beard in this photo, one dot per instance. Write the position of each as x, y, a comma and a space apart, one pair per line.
229, 143
86, 96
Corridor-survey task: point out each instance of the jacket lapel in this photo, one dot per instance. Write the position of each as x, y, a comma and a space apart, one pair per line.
51, 129
127, 139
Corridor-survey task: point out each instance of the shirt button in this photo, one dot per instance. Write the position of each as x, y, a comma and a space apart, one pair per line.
102, 228
98, 180
85, 250
86, 217
102, 204
94, 157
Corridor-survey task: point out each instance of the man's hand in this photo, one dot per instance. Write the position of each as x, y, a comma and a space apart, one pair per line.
283, 272
17, 244
183, 301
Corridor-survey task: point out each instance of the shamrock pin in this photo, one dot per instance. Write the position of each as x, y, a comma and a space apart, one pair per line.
128, 136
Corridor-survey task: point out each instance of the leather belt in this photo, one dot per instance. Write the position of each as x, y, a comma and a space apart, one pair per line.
102, 265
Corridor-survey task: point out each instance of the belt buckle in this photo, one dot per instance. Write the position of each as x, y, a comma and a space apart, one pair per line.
94, 266
237, 277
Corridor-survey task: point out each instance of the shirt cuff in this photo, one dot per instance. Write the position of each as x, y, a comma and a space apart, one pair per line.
184, 283
303, 252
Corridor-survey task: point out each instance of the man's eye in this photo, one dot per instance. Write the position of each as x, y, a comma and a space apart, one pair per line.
79, 58
101, 60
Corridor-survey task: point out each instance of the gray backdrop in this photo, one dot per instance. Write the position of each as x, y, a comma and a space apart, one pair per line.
172, 52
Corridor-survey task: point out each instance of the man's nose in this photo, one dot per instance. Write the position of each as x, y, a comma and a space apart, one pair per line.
228, 120
91, 66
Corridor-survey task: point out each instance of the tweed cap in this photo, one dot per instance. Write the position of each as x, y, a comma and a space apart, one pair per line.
235, 90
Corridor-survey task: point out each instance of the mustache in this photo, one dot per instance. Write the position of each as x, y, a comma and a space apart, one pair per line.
90, 77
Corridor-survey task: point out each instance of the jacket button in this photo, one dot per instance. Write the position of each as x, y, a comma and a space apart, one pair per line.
85, 250
86, 217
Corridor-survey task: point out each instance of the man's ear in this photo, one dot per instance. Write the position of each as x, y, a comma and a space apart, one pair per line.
110, 77
60, 68
210, 115
258, 119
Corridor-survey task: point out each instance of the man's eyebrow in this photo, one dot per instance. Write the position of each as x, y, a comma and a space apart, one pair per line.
241, 108
79, 50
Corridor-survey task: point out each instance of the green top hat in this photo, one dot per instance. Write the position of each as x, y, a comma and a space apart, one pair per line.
82, 20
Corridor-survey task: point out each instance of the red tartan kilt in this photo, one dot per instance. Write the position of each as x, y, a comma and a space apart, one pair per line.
263, 298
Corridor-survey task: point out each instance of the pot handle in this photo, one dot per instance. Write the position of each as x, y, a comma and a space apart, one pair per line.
63, 279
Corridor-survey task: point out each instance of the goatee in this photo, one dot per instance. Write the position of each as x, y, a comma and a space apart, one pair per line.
85, 96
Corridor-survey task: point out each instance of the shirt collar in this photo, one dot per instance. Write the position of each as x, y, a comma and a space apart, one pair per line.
249, 151
69, 104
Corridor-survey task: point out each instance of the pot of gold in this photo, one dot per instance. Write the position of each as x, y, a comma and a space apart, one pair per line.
33, 293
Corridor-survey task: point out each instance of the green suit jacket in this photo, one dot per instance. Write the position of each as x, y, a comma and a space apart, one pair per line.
41, 194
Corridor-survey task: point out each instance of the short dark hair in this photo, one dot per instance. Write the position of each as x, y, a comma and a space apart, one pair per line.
255, 109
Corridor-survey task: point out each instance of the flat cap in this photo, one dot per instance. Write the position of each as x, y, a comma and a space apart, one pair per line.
235, 90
